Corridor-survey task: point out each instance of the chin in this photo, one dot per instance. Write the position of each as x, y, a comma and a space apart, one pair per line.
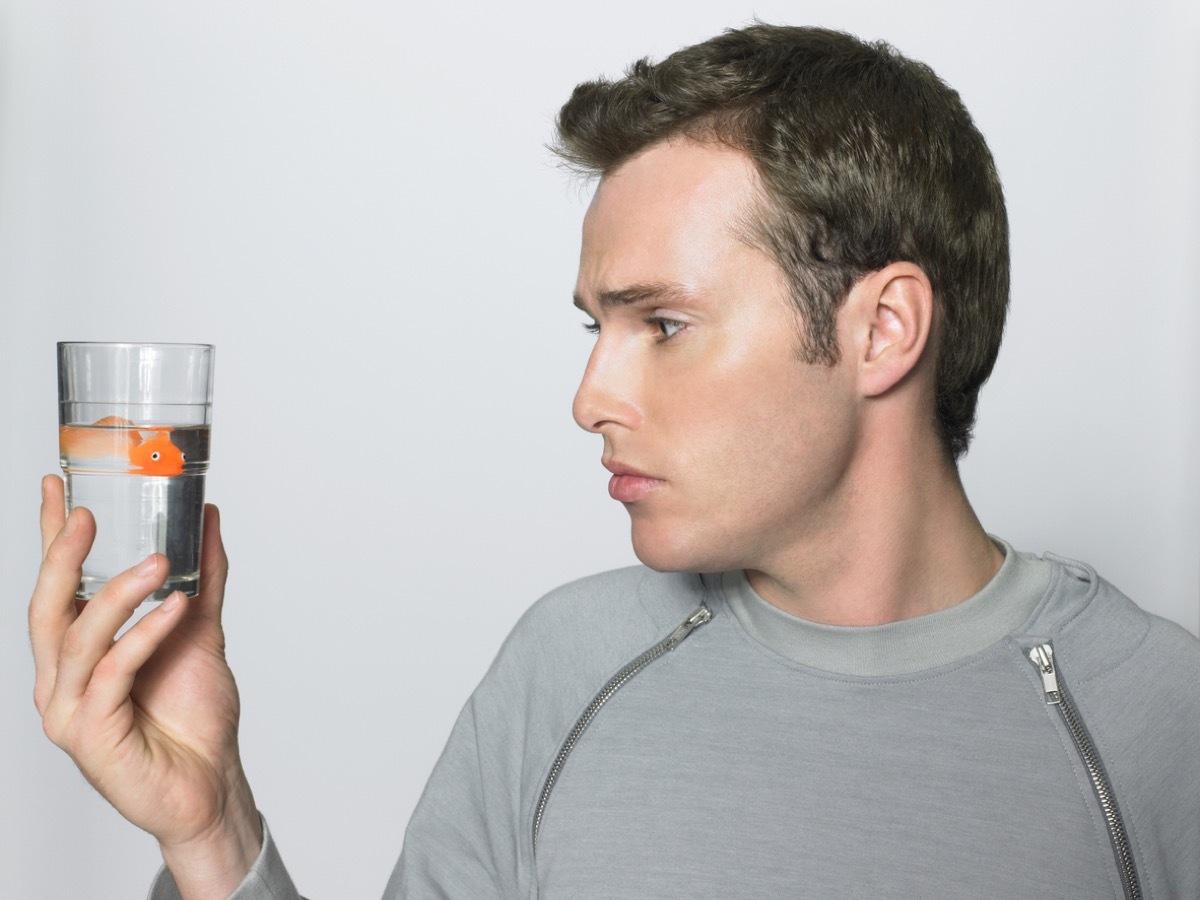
677, 551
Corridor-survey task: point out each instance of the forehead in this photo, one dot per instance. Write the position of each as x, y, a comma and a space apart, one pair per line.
670, 214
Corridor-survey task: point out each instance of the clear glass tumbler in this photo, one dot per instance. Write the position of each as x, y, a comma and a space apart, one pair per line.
134, 424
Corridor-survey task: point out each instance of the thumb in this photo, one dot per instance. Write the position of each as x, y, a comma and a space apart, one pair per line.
214, 568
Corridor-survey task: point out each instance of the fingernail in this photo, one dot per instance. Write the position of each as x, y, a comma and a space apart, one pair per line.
146, 566
172, 602
69, 527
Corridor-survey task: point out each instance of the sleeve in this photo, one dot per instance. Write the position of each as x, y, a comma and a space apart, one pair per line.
266, 880
464, 838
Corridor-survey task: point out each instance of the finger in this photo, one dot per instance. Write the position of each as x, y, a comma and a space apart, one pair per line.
91, 635
113, 677
52, 609
53, 512
214, 567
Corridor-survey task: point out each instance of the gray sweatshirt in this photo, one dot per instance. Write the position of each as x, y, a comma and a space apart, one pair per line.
669, 735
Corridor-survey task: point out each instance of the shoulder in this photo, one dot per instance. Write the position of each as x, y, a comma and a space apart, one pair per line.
1115, 652
618, 597
602, 620
572, 640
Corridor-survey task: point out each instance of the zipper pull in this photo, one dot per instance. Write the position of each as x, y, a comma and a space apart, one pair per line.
1043, 657
695, 620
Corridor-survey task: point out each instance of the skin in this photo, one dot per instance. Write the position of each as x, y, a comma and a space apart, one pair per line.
826, 483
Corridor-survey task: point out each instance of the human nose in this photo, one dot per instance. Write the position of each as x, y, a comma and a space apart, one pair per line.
605, 396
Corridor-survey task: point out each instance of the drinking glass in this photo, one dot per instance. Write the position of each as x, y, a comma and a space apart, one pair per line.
134, 425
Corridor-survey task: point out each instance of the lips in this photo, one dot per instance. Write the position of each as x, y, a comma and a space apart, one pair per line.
628, 485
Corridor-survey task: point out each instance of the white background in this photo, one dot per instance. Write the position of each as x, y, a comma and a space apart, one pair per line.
353, 202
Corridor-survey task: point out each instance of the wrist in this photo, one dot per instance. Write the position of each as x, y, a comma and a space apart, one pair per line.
211, 865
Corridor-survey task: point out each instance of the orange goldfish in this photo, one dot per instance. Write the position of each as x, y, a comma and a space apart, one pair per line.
119, 437
157, 456
116, 437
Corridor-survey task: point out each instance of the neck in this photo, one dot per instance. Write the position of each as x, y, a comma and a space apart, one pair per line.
906, 543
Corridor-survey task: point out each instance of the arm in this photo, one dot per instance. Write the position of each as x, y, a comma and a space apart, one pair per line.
150, 718
463, 838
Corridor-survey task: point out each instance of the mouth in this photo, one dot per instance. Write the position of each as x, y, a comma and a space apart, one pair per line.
628, 485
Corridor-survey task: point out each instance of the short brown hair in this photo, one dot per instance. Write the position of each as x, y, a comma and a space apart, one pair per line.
866, 158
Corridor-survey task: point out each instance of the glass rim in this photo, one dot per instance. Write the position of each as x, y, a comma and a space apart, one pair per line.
180, 344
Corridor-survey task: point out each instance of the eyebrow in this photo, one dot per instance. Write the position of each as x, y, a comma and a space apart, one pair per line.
667, 292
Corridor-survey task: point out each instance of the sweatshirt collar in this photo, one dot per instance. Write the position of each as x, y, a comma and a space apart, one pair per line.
904, 647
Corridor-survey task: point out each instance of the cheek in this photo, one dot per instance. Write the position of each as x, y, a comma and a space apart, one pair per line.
721, 438
780, 433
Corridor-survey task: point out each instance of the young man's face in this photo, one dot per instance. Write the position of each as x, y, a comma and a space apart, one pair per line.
727, 450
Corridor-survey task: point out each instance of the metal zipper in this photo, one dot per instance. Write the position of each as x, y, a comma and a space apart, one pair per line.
1042, 657
614, 684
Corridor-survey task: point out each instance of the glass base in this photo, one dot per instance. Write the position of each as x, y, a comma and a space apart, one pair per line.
89, 587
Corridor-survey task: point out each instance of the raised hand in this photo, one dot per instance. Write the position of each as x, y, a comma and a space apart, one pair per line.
150, 718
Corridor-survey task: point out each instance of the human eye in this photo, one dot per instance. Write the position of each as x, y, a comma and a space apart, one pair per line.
667, 328
591, 327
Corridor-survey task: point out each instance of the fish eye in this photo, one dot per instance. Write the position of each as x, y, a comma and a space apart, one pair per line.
183, 457
154, 456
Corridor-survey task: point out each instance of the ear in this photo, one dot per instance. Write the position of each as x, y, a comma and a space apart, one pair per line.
894, 318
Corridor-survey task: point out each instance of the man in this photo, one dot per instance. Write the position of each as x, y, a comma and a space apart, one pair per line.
828, 680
